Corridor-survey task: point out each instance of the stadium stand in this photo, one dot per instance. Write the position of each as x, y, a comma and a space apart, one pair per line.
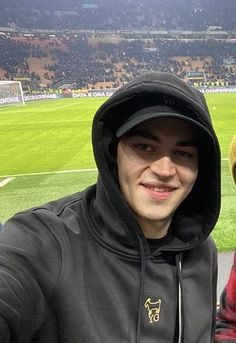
38, 43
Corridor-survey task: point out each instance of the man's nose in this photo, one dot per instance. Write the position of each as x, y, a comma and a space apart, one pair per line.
163, 167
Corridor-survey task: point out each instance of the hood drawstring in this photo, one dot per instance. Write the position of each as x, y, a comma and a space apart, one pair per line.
178, 259
141, 289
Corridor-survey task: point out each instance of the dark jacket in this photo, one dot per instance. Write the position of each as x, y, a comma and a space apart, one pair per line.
79, 270
226, 316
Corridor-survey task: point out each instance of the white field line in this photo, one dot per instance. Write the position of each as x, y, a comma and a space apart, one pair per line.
62, 172
52, 172
6, 181
59, 107
40, 122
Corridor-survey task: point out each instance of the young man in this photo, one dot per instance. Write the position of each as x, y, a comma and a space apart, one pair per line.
226, 316
129, 259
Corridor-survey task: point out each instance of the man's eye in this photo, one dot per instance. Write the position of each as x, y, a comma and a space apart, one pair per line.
144, 147
183, 153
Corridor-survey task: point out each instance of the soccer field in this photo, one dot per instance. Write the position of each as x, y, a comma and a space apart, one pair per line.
46, 153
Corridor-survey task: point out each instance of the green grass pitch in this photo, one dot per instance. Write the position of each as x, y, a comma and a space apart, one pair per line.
47, 153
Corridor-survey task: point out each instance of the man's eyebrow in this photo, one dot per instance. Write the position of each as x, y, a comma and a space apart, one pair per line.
144, 134
148, 135
187, 143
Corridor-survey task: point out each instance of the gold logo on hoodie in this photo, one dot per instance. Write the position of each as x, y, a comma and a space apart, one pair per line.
153, 309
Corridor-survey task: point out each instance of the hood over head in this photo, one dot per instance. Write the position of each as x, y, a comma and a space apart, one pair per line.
154, 95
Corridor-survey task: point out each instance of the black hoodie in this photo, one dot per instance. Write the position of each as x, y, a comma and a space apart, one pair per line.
79, 269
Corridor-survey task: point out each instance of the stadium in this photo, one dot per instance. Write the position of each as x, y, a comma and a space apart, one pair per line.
60, 62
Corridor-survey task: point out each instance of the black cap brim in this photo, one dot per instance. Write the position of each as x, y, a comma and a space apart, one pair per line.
154, 112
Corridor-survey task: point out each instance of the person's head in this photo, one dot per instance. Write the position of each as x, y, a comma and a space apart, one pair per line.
232, 158
157, 163
157, 152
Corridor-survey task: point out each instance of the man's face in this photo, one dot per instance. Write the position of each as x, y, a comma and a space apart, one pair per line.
157, 168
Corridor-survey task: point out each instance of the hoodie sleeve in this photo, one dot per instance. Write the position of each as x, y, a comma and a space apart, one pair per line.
30, 263
226, 316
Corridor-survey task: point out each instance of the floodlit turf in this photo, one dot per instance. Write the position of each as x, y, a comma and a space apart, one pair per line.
49, 136
223, 111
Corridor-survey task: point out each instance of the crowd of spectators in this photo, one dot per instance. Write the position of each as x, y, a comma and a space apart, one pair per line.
83, 64
195, 15
14, 56
118, 63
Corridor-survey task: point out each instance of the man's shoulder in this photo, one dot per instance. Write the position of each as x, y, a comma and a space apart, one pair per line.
57, 206
54, 207
209, 243
208, 248
55, 210
206, 251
